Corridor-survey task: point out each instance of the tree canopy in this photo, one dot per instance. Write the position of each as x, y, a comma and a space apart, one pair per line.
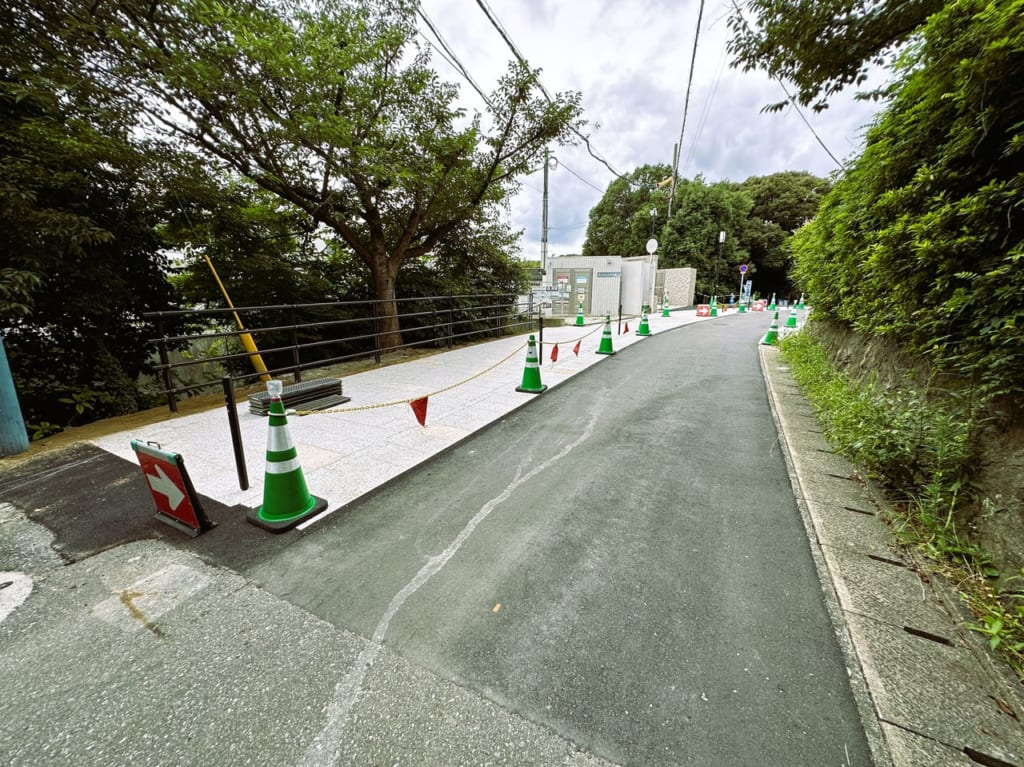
823, 46
332, 107
758, 217
79, 257
921, 241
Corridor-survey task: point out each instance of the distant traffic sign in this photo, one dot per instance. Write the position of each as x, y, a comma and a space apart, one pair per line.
176, 502
743, 268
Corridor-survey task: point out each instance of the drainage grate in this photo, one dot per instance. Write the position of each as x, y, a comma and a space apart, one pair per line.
929, 636
886, 560
985, 759
859, 511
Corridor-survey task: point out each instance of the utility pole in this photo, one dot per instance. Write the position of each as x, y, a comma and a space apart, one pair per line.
718, 261
544, 221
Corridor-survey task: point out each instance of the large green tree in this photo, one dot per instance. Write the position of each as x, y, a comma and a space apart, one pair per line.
620, 223
701, 211
824, 46
923, 239
781, 204
79, 259
331, 106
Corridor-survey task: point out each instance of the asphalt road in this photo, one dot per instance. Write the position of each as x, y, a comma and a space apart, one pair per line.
621, 562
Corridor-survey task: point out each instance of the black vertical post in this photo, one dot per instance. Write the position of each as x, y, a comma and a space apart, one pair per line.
165, 364
540, 340
451, 322
376, 332
296, 359
236, 433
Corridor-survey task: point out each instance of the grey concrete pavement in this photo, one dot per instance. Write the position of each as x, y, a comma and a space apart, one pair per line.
622, 562
141, 652
939, 695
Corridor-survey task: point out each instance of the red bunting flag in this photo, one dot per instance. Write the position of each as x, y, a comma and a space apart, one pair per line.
554, 353
419, 407
576, 348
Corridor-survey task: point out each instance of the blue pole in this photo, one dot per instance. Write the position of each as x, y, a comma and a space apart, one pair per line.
13, 436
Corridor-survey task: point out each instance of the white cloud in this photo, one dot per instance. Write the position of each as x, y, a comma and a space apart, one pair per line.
630, 59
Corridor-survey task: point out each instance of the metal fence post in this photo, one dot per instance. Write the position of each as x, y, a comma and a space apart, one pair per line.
297, 372
165, 364
236, 433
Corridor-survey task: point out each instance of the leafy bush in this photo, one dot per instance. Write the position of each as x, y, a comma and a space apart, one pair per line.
922, 240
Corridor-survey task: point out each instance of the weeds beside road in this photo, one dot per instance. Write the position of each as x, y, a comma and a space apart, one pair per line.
923, 451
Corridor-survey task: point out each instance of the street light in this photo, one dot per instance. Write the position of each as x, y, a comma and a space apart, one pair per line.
552, 163
721, 242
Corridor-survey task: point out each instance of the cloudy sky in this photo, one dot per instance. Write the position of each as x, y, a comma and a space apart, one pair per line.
630, 60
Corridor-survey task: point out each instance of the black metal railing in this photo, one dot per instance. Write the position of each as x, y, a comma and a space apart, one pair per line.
293, 338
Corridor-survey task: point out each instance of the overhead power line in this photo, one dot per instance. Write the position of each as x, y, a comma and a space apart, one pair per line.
451, 58
492, 17
686, 110
792, 101
561, 164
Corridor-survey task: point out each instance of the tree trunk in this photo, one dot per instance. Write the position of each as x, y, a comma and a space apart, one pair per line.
387, 308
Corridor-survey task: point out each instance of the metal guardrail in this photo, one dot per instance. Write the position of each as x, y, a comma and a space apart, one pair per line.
303, 337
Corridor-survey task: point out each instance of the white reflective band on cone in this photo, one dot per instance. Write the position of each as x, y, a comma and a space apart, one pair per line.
282, 467
279, 439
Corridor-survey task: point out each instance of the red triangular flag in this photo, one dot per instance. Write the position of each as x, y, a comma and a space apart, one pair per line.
419, 407
627, 328
576, 348
554, 353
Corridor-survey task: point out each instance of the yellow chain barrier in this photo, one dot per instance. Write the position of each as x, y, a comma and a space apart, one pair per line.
413, 399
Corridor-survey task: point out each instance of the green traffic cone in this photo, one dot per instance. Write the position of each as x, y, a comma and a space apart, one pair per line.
531, 373
664, 307
579, 314
714, 306
606, 337
791, 326
800, 304
644, 329
286, 499
771, 338
771, 306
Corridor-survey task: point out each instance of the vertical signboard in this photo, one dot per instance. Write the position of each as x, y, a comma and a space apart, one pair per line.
176, 501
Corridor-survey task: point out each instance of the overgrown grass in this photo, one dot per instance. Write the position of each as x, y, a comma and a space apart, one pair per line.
921, 451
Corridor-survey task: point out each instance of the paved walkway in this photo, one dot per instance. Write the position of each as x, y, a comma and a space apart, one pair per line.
353, 449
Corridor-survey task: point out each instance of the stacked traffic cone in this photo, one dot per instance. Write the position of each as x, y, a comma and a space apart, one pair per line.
664, 307
771, 306
579, 314
606, 337
771, 338
644, 329
286, 500
531, 373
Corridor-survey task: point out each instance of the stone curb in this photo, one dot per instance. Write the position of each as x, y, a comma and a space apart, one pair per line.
928, 689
